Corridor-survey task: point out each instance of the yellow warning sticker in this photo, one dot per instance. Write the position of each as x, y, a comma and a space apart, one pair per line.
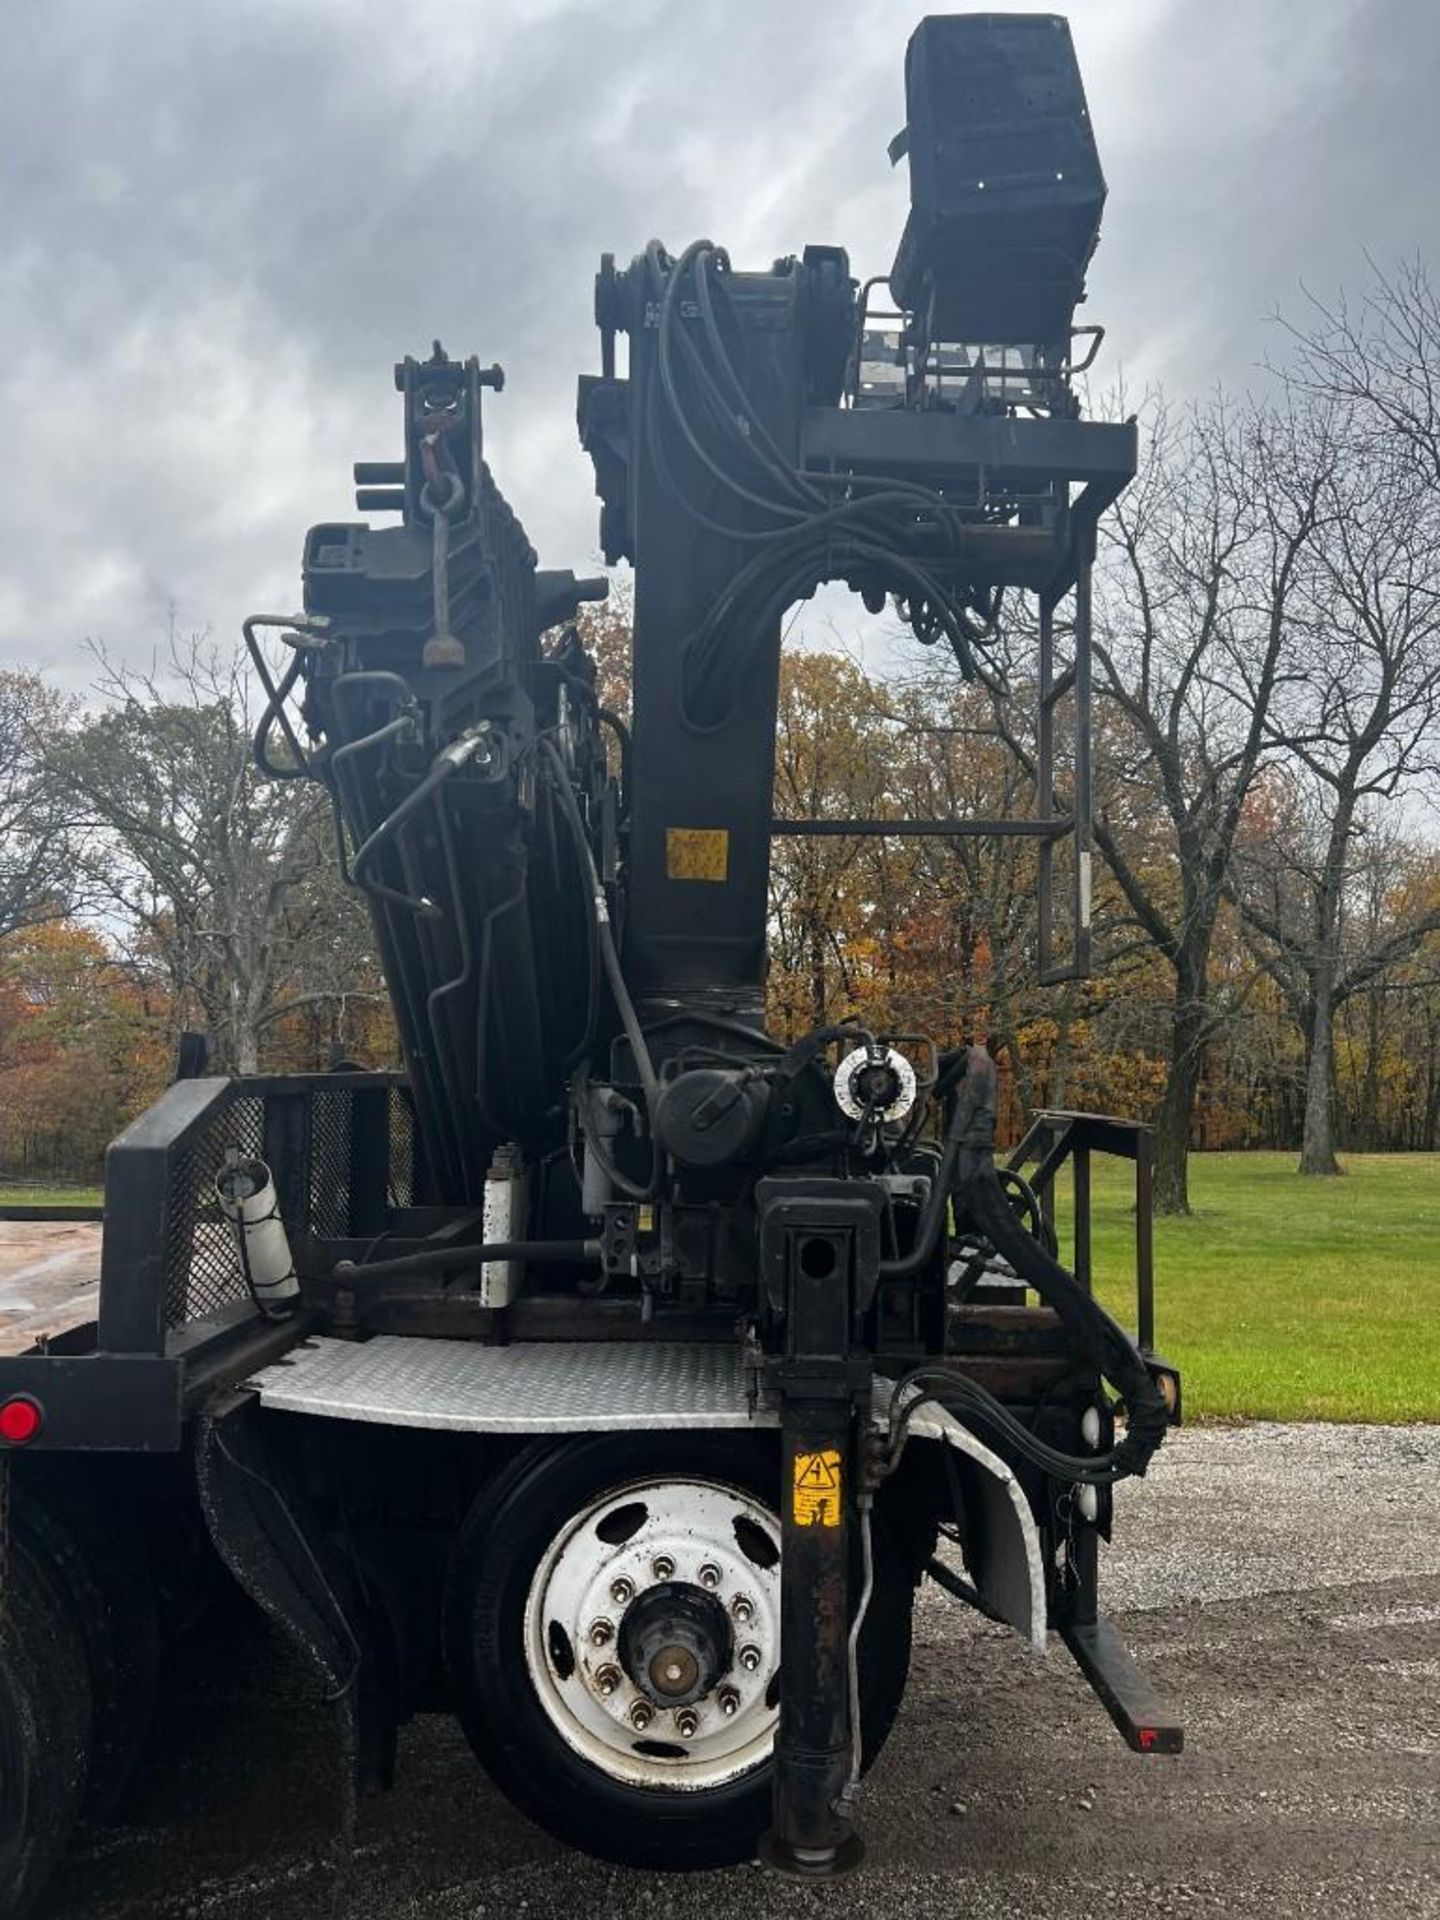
697, 853
816, 1494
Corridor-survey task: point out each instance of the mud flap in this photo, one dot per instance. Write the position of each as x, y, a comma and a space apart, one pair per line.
271, 1541
1003, 1554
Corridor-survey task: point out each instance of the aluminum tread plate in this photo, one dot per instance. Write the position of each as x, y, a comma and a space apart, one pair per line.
527, 1387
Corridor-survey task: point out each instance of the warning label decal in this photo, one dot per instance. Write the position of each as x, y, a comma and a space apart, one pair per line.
816, 1494
697, 853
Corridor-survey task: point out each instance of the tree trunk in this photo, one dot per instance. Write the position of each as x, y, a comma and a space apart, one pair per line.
817, 969
1317, 1142
1177, 1109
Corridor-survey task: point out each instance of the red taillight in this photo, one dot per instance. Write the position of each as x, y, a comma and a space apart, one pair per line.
20, 1420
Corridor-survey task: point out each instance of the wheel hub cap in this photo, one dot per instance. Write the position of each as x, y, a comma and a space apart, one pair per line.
675, 1643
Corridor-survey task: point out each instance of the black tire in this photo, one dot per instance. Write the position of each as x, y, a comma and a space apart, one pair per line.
111, 1596
504, 1539
44, 1727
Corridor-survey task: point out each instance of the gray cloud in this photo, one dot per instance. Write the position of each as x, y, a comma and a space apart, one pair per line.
224, 222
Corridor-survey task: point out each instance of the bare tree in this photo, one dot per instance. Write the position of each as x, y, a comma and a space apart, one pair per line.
1201, 570
1359, 722
37, 871
1378, 354
1360, 716
220, 879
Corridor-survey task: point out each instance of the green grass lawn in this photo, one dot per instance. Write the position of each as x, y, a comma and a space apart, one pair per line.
50, 1196
1287, 1298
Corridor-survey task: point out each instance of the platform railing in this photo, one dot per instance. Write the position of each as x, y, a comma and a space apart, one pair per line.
1056, 1137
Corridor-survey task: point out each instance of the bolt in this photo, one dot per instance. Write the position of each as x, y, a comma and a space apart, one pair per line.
729, 1702
687, 1722
641, 1714
743, 1608
750, 1659
607, 1680
710, 1575
662, 1566
622, 1591
601, 1631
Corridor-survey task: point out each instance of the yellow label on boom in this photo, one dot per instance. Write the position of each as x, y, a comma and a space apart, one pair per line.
697, 853
816, 1493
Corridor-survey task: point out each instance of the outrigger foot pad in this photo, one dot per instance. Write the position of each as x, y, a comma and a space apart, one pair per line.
811, 1863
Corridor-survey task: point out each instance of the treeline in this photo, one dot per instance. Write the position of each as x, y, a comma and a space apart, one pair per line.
938, 937
151, 884
1267, 887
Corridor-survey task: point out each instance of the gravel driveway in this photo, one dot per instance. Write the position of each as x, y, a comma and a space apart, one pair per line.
1281, 1583
49, 1278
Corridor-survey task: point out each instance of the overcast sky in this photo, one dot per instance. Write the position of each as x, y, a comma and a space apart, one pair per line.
222, 223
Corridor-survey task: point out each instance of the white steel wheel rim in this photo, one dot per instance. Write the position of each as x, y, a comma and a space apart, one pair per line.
579, 1678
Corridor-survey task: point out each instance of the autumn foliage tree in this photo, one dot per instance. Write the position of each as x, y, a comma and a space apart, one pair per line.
83, 1046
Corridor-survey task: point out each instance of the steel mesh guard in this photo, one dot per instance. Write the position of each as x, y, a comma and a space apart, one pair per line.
331, 1128
401, 1182
202, 1262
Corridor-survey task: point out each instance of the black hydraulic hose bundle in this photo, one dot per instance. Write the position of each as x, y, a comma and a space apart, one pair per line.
446, 763
967, 1174
971, 1125
610, 961
1098, 1338
900, 534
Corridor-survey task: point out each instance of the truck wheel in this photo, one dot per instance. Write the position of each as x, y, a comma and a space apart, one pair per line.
111, 1598
44, 1728
612, 1633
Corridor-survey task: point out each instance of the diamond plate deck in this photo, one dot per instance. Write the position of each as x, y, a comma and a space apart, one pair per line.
527, 1387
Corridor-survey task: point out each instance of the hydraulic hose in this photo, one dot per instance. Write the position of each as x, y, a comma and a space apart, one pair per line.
1100, 1339
425, 1258
967, 1171
972, 1125
902, 534
609, 953
448, 761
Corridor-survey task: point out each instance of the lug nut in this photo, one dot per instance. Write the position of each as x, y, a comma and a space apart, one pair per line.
622, 1591
601, 1632
729, 1702
687, 1722
607, 1680
710, 1575
641, 1714
743, 1608
662, 1566
750, 1659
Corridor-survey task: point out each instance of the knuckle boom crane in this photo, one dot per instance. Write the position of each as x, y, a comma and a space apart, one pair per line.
577, 957
741, 1327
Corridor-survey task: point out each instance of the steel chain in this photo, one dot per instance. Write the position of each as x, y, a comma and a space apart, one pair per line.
443, 649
